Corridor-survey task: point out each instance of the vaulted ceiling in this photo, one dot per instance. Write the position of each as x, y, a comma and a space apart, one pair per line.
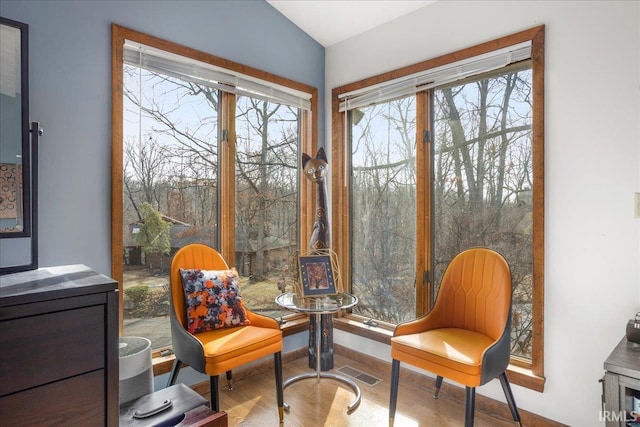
332, 21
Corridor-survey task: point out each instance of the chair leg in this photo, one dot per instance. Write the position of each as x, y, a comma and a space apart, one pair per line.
438, 385
230, 380
215, 395
277, 360
173, 375
393, 395
470, 406
510, 400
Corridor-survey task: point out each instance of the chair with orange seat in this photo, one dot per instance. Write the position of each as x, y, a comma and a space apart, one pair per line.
213, 350
466, 336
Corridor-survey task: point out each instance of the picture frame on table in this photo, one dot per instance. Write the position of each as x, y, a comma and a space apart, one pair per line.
316, 274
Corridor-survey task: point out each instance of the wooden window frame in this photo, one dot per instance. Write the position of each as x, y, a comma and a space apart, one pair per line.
529, 374
308, 143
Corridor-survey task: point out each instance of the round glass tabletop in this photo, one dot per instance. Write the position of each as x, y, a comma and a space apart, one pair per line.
316, 304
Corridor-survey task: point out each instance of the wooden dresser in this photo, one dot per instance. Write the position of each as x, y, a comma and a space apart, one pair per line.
59, 348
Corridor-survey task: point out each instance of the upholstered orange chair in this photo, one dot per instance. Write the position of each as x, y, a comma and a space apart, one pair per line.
219, 350
466, 336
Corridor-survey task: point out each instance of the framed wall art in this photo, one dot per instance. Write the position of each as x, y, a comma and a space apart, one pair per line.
316, 274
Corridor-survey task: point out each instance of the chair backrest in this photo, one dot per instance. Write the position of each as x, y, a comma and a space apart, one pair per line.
195, 255
475, 293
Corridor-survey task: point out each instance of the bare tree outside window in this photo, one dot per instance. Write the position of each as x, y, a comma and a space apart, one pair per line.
266, 197
384, 211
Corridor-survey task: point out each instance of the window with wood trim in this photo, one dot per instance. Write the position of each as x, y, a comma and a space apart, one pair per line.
204, 150
434, 158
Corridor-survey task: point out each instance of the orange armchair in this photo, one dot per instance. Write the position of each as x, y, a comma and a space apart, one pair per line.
466, 336
219, 350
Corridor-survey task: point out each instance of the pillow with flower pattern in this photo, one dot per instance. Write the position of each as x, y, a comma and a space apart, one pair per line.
213, 299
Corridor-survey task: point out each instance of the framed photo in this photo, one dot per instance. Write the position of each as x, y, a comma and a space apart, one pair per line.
316, 273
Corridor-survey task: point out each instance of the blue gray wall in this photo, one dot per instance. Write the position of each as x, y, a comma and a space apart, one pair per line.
70, 81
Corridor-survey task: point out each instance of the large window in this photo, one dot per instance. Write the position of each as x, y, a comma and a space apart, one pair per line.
446, 155
206, 151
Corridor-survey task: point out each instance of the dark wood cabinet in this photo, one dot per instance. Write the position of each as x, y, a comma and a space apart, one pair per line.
59, 348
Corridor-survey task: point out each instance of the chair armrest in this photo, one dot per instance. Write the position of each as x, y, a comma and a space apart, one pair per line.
262, 321
425, 323
495, 359
186, 347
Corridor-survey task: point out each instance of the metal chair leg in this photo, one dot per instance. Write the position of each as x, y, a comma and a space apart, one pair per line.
438, 385
393, 395
277, 360
215, 395
230, 380
470, 406
510, 400
173, 375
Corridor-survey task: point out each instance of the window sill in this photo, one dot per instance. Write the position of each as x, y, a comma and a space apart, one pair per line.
520, 375
524, 377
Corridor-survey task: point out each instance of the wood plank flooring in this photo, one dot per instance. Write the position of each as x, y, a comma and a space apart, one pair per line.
252, 402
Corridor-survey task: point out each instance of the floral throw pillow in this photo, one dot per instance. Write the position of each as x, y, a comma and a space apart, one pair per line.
213, 299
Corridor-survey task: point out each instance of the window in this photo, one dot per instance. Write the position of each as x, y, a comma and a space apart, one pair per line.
483, 174
435, 158
266, 198
204, 150
383, 210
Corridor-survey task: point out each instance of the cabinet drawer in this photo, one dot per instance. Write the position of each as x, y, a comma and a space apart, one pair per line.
49, 347
78, 401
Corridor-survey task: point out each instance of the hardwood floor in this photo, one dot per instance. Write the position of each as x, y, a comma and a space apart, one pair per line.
252, 402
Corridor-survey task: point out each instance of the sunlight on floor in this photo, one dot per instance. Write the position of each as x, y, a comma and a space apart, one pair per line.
252, 403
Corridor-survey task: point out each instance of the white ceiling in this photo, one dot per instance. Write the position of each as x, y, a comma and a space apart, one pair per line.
332, 21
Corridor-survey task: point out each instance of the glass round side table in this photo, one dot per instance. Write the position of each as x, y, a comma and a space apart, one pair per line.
320, 305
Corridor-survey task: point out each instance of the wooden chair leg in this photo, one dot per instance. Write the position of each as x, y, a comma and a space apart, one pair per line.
438, 385
277, 360
470, 406
215, 395
230, 380
393, 395
510, 400
173, 375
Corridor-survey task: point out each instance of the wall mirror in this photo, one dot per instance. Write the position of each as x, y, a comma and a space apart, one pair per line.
18, 157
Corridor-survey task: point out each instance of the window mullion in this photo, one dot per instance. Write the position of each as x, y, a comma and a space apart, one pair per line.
226, 173
423, 204
306, 144
340, 192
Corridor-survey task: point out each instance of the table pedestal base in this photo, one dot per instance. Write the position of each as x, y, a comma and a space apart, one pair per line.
354, 404
321, 309
326, 341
